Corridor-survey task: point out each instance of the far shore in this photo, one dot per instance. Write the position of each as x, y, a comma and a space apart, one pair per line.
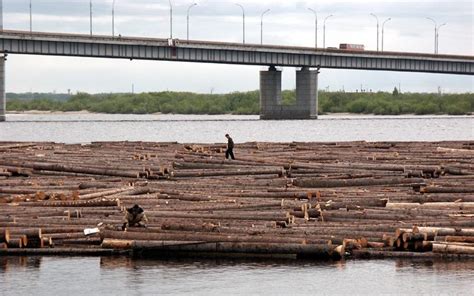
40, 112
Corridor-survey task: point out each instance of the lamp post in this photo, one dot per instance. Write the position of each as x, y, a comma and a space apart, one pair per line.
1, 15
171, 19
324, 30
90, 12
31, 17
261, 25
243, 21
437, 37
187, 20
113, 18
377, 29
315, 27
435, 33
383, 24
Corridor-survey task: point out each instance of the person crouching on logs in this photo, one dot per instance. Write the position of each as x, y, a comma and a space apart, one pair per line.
134, 216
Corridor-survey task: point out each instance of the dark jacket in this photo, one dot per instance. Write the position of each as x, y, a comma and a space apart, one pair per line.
230, 143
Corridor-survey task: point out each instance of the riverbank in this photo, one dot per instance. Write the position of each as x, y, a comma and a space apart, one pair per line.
297, 200
248, 103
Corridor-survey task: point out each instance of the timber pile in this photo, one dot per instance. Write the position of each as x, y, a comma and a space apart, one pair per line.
277, 199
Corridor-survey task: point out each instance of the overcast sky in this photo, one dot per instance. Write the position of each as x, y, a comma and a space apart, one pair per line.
288, 23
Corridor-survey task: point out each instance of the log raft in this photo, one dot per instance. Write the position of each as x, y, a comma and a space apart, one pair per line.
298, 200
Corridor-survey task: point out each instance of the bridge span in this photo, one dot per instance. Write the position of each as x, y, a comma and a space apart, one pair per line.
76, 45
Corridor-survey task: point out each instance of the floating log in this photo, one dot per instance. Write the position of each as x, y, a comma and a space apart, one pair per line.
460, 239
4, 235
433, 189
323, 251
324, 183
450, 248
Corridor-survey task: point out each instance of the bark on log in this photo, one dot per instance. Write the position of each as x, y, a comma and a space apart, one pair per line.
4, 235
324, 183
452, 249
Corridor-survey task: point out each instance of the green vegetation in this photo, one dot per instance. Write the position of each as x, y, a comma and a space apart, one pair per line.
381, 103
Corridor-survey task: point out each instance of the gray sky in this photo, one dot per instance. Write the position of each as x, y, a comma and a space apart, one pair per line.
288, 23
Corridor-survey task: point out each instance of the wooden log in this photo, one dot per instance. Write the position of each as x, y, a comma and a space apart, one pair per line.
452, 249
370, 253
324, 251
444, 231
18, 242
100, 202
104, 193
324, 183
457, 189
228, 172
460, 239
71, 169
4, 235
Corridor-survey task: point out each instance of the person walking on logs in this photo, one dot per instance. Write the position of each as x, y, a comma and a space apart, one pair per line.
229, 153
134, 216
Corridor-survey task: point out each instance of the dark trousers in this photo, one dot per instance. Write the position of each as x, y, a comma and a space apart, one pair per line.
229, 153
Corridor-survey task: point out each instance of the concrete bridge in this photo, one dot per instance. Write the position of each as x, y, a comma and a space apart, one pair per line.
308, 62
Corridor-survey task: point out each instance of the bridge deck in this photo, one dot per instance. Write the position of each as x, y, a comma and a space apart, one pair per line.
41, 43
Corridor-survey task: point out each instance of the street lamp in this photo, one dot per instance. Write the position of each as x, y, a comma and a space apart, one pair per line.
90, 11
324, 30
261, 25
171, 20
113, 18
437, 37
315, 27
187, 19
377, 29
243, 21
383, 24
31, 17
1, 15
436, 32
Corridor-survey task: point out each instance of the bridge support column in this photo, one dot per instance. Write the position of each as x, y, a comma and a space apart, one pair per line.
306, 106
307, 93
3, 100
270, 93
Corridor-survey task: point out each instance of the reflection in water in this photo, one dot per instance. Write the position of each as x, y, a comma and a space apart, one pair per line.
20, 262
127, 276
177, 263
441, 266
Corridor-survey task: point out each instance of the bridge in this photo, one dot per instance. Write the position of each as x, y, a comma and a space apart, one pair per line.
308, 61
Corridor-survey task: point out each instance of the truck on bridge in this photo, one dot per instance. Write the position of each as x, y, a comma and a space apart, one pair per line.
355, 47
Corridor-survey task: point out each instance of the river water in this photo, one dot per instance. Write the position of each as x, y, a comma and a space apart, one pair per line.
84, 128
124, 276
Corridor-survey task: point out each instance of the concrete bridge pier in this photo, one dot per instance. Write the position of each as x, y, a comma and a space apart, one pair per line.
306, 106
3, 100
270, 93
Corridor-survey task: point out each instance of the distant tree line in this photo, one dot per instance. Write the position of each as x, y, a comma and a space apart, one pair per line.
35, 95
380, 103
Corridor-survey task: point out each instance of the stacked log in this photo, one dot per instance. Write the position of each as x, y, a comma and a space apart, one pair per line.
277, 199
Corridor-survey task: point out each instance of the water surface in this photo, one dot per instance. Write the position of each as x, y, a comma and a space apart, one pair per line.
125, 276
84, 128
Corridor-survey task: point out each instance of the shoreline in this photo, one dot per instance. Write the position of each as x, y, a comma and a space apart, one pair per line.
343, 114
